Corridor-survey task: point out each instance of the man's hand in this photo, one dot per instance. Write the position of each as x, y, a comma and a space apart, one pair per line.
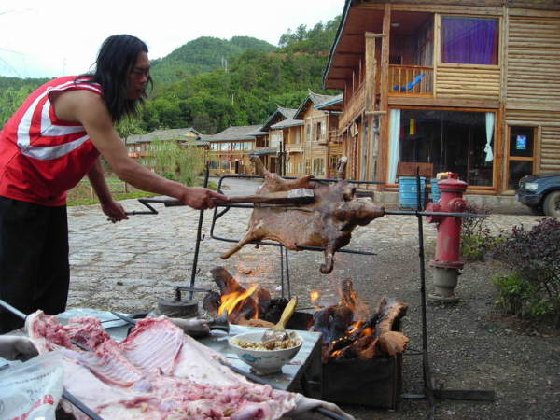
202, 198
114, 211
14, 347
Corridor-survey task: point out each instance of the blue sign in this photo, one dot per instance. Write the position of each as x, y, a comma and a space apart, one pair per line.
521, 142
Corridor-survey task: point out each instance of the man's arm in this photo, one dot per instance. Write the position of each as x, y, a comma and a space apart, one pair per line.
89, 109
113, 210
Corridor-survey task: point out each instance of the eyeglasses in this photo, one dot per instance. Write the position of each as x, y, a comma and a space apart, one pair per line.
140, 72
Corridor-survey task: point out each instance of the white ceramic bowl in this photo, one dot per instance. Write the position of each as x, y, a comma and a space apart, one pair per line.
263, 361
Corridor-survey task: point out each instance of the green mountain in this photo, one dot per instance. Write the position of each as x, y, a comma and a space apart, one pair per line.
202, 55
212, 83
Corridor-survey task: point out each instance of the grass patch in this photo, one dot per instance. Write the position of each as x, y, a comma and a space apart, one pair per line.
83, 194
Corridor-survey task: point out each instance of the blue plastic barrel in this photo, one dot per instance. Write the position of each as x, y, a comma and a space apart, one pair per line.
408, 192
436, 192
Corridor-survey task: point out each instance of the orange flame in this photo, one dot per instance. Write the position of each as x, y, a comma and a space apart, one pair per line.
231, 301
314, 296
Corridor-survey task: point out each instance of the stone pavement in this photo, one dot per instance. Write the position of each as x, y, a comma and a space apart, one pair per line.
131, 265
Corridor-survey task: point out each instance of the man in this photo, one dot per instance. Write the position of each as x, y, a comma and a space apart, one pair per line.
49, 144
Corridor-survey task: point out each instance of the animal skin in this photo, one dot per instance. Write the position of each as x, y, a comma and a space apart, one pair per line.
327, 223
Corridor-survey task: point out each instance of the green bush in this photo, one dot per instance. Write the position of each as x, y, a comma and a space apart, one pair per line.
475, 235
532, 290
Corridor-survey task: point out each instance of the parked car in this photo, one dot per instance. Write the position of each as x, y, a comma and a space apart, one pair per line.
541, 193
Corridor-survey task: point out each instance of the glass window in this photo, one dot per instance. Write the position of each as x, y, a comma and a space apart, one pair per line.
521, 142
469, 40
451, 141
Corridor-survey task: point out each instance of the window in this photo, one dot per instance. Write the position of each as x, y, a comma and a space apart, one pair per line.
318, 167
333, 163
460, 142
521, 146
318, 130
469, 40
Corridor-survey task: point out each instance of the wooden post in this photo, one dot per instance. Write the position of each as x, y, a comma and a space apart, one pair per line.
383, 100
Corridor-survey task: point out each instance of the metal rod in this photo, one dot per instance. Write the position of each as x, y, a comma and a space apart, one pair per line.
13, 310
198, 236
421, 256
288, 274
282, 269
430, 213
301, 247
80, 405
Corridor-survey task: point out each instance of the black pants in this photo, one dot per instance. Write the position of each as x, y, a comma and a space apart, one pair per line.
34, 269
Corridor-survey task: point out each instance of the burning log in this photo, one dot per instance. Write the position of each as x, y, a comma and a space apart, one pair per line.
391, 343
328, 222
334, 321
346, 337
241, 304
389, 312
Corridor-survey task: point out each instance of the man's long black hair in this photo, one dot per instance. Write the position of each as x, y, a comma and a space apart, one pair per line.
115, 61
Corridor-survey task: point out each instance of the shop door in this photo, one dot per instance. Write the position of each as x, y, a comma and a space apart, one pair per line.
521, 150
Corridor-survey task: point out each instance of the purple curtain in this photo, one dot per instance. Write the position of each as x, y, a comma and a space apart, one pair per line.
469, 40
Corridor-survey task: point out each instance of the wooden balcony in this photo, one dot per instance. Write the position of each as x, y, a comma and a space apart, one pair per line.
410, 80
294, 148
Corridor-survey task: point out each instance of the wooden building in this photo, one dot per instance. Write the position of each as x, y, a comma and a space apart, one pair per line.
229, 151
271, 143
320, 147
138, 144
467, 86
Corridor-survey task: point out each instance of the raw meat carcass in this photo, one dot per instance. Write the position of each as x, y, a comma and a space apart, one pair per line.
157, 372
328, 222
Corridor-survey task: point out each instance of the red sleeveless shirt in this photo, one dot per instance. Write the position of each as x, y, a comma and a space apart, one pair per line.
41, 156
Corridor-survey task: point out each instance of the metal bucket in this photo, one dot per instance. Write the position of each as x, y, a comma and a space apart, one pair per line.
408, 191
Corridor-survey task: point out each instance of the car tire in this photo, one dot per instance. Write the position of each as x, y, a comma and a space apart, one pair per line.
551, 204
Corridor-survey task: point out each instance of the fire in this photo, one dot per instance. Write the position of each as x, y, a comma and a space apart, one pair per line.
314, 296
232, 301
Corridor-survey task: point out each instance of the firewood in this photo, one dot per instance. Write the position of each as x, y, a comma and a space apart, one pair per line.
391, 343
388, 313
333, 321
211, 302
228, 284
255, 322
225, 281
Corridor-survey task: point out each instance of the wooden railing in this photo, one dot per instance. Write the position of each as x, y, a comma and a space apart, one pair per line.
353, 107
406, 80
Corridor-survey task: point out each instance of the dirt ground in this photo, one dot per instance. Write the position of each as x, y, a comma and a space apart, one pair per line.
470, 347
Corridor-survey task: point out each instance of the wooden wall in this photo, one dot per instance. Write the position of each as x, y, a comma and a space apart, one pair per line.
533, 67
532, 89
550, 149
460, 82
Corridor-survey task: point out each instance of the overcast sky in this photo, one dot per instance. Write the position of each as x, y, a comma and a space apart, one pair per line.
61, 37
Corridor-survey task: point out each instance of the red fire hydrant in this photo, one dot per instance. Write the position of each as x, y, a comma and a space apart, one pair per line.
447, 263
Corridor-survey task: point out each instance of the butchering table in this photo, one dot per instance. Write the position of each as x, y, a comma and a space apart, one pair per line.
301, 374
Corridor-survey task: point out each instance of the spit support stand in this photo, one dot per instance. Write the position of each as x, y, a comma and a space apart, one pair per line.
431, 393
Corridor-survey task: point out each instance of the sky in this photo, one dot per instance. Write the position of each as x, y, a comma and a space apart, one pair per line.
47, 38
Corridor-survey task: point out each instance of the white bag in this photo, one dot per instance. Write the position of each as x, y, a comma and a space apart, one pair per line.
32, 389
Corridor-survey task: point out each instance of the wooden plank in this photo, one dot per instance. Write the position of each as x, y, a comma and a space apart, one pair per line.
473, 104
